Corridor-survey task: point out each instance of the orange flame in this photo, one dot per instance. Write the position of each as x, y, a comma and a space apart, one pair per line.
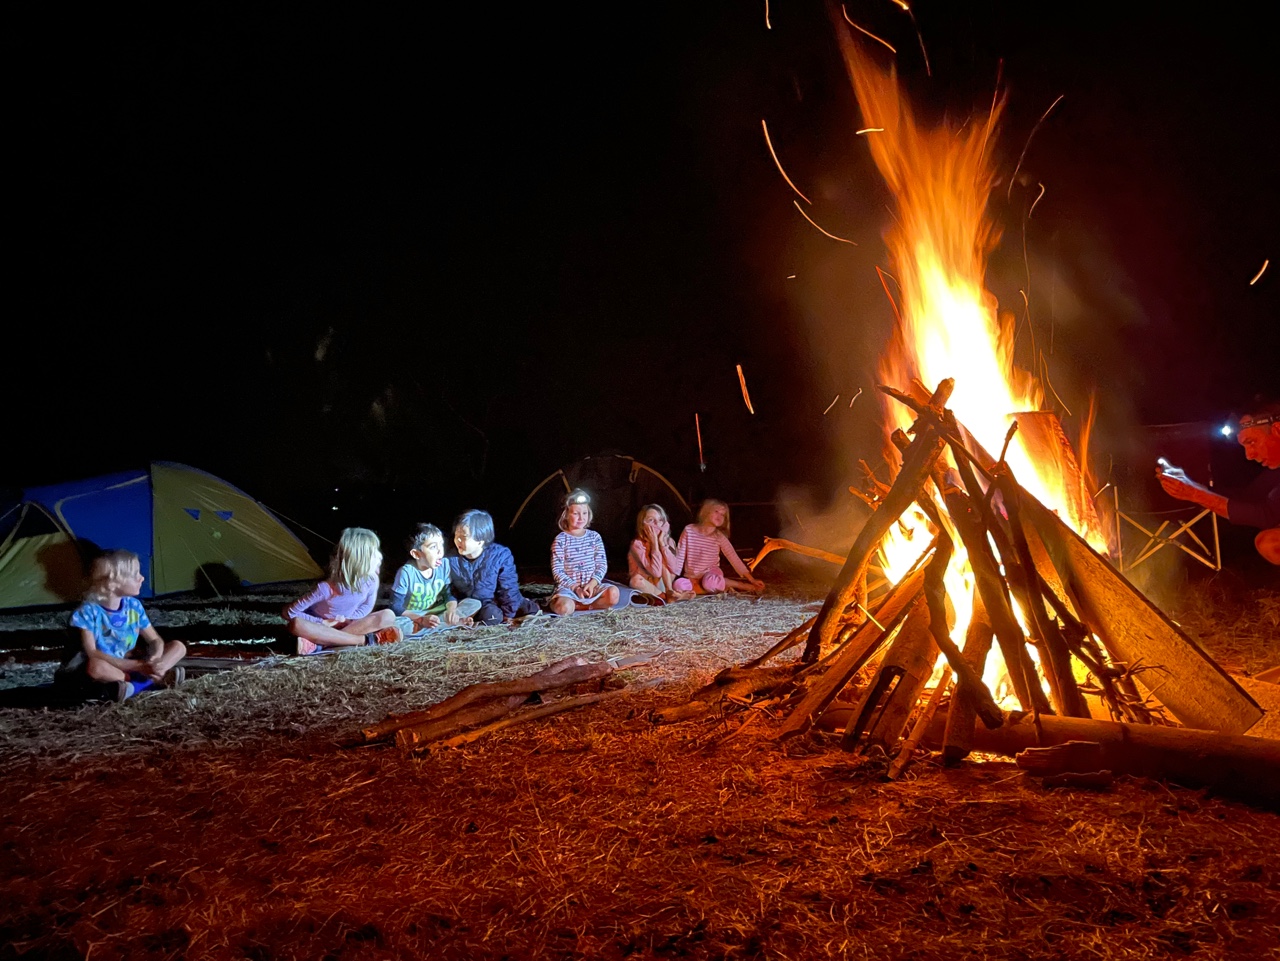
948, 324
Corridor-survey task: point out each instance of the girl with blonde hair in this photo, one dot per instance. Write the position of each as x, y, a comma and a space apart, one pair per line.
339, 612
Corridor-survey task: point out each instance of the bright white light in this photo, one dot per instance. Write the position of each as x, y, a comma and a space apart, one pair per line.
1226, 430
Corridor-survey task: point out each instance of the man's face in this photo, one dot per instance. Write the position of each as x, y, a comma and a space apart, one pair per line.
1262, 444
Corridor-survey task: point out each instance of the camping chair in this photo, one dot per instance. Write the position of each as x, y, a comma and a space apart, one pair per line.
1157, 539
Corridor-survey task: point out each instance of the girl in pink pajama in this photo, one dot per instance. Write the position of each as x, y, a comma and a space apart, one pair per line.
698, 554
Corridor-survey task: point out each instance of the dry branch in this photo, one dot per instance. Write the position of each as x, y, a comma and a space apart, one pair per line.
843, 663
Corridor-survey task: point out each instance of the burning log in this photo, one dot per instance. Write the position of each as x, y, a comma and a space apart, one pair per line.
906, 489
1191, 685
1069, 757
974, 689
995, 598
1057, 662
961, 716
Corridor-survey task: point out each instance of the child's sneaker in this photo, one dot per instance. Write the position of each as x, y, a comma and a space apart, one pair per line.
124, 690
174, 676
307, 647
388, 635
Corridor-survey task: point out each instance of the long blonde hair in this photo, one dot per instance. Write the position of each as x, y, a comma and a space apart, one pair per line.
705, 509
108, 573
357, 557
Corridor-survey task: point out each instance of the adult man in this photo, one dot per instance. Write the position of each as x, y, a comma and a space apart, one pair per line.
1259, 504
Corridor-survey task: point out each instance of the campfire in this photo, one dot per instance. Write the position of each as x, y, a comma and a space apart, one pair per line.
1000, 551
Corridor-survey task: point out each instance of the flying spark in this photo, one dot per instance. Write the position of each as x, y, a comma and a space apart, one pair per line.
1036, 201
746, 398
774, 155
866, 31
811, 220
1261, 270
869, 130
1028, 144
697, 426
767, 24
855, 396
830, 405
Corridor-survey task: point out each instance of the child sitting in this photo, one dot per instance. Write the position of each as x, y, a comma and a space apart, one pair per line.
486, 572
109, 622
339, 611
651, 563
578, 561
698, 554
421, 592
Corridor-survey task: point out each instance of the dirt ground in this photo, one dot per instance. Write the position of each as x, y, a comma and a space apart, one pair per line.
233, 818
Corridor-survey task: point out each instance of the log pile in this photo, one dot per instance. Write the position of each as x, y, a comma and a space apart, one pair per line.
484, 708
1080, 645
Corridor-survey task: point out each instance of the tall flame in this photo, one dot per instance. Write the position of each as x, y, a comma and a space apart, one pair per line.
948, 323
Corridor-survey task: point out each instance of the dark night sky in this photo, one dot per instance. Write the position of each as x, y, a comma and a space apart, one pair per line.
451, 254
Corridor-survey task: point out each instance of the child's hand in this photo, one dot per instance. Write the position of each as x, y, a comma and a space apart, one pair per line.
431, 621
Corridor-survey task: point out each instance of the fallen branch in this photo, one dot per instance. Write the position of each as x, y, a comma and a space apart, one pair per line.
533, 714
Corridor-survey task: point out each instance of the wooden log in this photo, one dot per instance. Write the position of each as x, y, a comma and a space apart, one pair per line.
885, 708
415, 735
562, 673
991, 588
1234, 765
730, 684
794, 637
1057, 662
920, 727
1078, 757
533, 714
935, 596
772, 544
1186, 680
961, 716
852, 576
847, 660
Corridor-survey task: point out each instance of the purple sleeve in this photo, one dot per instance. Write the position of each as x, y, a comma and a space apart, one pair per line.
299, 608
368, 594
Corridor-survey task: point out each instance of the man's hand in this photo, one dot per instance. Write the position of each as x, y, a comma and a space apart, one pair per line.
1179, 486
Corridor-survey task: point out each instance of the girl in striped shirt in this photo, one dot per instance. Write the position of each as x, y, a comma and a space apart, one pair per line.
698, 554
578, 561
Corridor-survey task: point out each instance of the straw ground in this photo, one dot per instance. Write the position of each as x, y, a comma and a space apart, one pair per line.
229, 819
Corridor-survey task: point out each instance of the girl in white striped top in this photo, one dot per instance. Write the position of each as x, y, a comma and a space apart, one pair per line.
578, 561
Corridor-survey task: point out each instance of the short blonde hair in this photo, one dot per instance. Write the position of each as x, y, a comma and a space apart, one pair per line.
705, 509
108, 573
357, 557
575, 496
